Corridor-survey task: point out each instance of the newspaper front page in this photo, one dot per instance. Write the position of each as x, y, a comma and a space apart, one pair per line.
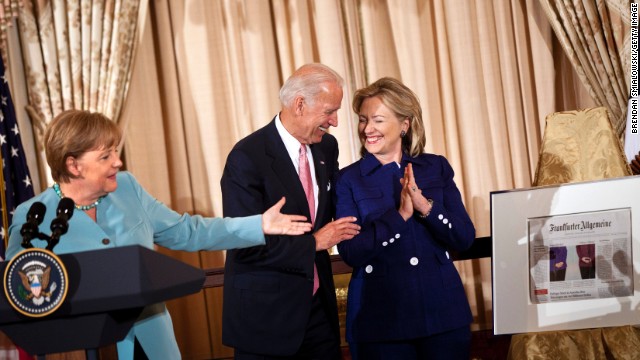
580, 256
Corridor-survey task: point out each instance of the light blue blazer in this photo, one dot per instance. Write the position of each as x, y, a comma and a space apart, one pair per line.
131, 216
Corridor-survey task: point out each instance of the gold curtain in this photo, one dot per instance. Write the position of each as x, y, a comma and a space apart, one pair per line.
8, 11
595, 36
77, 55
207, 73
580, 145
619, 342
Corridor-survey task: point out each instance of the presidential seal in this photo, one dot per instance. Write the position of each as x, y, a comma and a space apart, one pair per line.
35, 282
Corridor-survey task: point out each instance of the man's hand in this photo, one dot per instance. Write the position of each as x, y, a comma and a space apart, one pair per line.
336, 232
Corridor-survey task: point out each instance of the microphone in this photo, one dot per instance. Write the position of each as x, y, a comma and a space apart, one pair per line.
60, 224
29, 229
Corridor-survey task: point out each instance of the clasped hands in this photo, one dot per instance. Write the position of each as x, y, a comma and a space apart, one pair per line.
411, 198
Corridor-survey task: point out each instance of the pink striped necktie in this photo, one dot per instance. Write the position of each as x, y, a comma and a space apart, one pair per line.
307, 185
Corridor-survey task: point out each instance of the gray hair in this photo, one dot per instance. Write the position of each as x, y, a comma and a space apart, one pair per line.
308, 81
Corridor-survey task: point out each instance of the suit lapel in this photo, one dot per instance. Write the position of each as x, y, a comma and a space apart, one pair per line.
285, 171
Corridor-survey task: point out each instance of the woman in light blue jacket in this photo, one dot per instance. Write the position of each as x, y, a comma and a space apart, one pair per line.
112, 210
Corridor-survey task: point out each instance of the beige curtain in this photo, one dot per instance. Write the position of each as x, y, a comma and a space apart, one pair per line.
8, 10
595, 36
207, 73
77, 55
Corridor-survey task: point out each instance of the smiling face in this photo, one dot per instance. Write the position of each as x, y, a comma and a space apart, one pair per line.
96, 171
315, 118
380, 129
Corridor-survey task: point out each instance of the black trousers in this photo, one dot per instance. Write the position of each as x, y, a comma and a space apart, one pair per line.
320, 343
450, 345
557, 275
588, 272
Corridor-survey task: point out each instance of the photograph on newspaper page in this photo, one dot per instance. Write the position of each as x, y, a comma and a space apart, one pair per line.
580, 256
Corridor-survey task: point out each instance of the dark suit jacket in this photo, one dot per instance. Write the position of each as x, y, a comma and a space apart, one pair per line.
268, 289
404, 284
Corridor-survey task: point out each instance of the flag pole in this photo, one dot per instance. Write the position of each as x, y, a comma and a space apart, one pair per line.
5, 217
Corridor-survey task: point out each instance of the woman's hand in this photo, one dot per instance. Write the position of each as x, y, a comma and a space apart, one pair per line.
276, 223
406, 204
420, 203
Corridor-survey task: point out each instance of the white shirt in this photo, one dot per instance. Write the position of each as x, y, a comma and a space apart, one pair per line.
293, 148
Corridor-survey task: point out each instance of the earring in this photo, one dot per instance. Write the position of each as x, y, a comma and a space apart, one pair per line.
402, 133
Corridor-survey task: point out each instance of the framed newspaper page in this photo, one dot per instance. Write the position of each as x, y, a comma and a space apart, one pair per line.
566, 257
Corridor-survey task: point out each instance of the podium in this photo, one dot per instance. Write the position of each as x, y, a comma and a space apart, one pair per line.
108, 290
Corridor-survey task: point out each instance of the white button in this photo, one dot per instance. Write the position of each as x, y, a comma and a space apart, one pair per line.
440, 217
445, 221
392, 240
397, 236
385, 243
413, 261
368, 269
449, 225
447, 253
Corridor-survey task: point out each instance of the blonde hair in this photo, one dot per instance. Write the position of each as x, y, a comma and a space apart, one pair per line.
73, 133
404, 103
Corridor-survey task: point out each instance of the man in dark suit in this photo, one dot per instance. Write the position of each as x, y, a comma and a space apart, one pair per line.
279, 299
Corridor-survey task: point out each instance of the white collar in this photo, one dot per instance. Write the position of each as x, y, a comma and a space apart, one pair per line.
292, 145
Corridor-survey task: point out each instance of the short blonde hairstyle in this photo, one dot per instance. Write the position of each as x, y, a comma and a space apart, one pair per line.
404, 103
73, 133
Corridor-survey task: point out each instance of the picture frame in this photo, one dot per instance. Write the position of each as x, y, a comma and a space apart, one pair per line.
514, 278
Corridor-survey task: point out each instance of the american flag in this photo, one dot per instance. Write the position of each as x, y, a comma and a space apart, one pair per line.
15, 174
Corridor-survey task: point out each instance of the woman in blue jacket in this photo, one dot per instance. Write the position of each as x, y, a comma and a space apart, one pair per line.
405, 299
112, 210
557, 263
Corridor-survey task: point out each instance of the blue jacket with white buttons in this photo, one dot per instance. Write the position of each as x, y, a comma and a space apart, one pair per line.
404, 284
